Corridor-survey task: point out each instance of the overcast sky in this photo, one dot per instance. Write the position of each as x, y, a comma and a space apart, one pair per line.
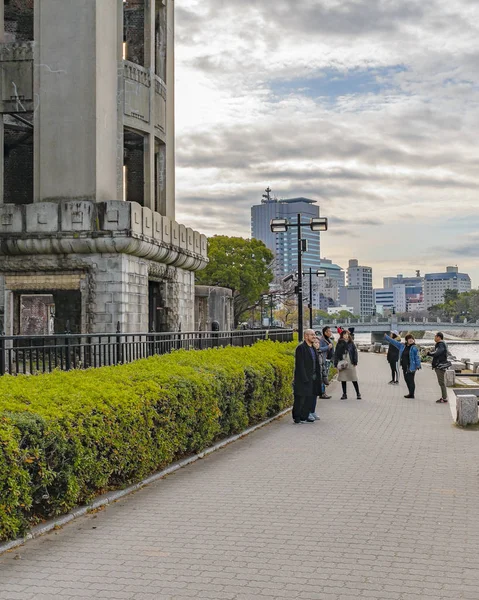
370, 107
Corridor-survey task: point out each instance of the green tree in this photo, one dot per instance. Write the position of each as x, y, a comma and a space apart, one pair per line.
243, 266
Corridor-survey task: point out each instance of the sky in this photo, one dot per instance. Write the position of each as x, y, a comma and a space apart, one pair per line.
370, 107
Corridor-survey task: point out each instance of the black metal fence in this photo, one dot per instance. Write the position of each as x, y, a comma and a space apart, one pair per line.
42, 354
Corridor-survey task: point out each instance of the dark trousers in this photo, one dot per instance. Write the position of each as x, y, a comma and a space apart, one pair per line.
441, 376
355, 385
409, 379
302, 407
394, 371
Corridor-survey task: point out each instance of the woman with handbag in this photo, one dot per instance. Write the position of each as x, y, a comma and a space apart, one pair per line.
346, 361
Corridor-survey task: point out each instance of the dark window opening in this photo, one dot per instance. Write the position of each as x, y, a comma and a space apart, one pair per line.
134, 166
134, 31
18, 159
47, 312
157, 321
19, 20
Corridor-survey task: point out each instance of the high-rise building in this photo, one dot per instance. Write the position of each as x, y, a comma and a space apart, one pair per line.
285, 245
361, 277
391, 298
436, 284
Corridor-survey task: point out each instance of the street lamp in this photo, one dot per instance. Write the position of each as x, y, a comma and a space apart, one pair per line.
281, 226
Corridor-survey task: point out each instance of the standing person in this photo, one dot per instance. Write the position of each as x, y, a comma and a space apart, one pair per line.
440, 364
347, 354
326, 347
393, 358
306, 370
318, 385
409, 359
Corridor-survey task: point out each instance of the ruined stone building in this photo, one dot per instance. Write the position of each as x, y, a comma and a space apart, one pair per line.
88, 236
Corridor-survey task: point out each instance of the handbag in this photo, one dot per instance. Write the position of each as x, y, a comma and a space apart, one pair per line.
342, 365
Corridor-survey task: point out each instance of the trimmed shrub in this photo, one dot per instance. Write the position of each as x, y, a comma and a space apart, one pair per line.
67, 437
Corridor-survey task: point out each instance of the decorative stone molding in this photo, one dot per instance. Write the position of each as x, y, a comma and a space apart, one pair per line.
82, 227
16, 51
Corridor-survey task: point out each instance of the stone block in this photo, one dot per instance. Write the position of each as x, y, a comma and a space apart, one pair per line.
475, 367
204, 246
190, 240
77, 216
458, 366
136, 217
147, 215
467, 410
42, 217
183, 241
11, 218
114, 215
196, 242
157, 227
166, 230
450, 378
175, 234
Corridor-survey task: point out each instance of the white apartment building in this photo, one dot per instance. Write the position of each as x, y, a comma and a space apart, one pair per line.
436, 284
361, 277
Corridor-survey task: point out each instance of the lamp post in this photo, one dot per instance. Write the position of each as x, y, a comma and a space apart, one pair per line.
281, 226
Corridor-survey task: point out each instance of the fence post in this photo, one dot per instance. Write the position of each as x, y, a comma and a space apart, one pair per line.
67, 351
2, 353
119, 351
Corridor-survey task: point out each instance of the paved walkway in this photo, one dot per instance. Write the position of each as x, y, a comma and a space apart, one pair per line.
378, 500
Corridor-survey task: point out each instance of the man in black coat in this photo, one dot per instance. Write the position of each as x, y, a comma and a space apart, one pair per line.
440, 364
307, 378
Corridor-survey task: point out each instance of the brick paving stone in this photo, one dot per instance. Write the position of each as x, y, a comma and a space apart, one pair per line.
377, 500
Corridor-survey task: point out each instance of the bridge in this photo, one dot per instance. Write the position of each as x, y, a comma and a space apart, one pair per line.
378, 326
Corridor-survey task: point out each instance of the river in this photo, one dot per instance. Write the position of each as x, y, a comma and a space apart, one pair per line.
461, 349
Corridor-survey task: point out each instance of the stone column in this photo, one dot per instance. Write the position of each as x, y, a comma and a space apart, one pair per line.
149, 145
170, 112
76, 122
2, 39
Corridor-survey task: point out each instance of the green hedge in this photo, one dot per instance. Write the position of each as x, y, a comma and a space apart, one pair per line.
67, 437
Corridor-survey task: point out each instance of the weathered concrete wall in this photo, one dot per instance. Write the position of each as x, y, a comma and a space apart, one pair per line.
213, 304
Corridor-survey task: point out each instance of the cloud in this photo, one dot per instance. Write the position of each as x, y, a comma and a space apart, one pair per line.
369, 106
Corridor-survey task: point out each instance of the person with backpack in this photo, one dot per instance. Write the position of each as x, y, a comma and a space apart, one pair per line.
393, 358
409, 360
440, 364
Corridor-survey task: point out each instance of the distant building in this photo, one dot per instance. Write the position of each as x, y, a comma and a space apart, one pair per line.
338, 309
361, 277
391, 298
351, 296
414, 289
333, 271
436, 284
285, 245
